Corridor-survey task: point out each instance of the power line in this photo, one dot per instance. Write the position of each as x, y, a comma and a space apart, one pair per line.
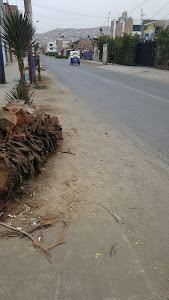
141, 4
160, 10
63, 10
70, 12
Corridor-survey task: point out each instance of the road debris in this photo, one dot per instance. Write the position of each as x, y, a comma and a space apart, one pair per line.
98, 254
116, 217
113, 250
67, 182
44, 223
67, 152
19, 228
36, 242
11, 216
73, 203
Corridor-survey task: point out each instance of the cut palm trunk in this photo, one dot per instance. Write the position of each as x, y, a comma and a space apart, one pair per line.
26, 139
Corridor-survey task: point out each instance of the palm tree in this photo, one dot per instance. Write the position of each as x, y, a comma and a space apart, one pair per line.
17, 32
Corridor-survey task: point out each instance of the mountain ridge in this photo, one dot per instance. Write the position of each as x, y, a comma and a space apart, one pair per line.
71, 33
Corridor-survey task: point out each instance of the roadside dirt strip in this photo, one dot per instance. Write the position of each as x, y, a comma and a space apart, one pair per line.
100, 197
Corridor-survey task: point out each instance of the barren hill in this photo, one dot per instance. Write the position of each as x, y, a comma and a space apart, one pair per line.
70, 33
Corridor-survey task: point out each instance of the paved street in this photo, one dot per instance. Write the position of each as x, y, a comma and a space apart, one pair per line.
139, 105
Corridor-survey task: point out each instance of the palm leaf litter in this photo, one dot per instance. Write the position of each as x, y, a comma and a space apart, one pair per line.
27, 137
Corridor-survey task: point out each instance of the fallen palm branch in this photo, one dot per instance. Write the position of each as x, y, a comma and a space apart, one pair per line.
26, 139
45, 224
35, 242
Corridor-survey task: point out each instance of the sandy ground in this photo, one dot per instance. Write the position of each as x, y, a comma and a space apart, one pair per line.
106, 168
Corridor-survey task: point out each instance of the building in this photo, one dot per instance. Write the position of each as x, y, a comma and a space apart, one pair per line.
63, 45
51, 47
87, 44
10, 9
6, 9
131, 26
123, 25
100, 33
137, 28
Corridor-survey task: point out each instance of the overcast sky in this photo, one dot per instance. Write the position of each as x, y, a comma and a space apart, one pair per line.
82, 14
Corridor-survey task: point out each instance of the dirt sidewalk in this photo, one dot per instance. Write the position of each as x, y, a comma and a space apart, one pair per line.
102, 258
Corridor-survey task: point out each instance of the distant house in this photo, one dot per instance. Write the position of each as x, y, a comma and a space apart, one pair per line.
51, 47
86, 44
63, 45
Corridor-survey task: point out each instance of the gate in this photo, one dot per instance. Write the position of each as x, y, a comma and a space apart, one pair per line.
145, 54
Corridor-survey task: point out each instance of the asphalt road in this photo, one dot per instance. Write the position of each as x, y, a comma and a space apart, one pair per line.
141, 106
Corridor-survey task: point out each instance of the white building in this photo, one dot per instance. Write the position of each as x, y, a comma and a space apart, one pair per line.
136, 27
51, 46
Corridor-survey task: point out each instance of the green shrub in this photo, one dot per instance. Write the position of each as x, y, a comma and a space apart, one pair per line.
39, 87
161, 53
121, 50
100, 42
55, 54
60, 56
50, 53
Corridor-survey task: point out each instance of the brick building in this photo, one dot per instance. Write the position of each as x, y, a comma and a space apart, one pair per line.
87, 44
62, 46
10, 9
127, 25
123, 25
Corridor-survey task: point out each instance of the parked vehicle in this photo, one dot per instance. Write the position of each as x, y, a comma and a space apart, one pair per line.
75, 57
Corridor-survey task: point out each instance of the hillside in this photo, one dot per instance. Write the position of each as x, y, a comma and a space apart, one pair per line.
70, 33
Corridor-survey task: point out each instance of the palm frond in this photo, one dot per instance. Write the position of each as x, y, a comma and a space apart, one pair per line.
18, 33
16, 93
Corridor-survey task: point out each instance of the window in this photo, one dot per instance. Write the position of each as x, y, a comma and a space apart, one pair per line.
136, 27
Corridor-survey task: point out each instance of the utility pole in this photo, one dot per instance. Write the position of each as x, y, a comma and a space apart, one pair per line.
142, 26
108, 23
28, 12
28, 9
107, 38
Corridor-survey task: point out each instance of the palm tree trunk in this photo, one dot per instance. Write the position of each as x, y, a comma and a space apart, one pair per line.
22, 72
